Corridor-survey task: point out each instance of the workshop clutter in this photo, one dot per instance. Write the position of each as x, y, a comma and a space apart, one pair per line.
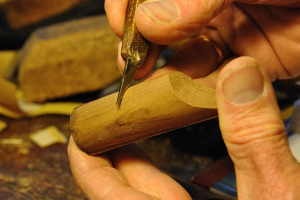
58, 61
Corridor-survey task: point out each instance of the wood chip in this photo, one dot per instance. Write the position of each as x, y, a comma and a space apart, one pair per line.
48, 136
12, 141
2, 125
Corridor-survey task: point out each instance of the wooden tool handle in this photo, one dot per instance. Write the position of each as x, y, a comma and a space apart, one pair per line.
169, 102
133, 43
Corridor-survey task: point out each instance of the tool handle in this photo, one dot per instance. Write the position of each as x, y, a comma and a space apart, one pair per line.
133, 43
171, 101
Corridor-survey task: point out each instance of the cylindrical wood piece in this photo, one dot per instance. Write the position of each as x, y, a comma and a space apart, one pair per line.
150, 108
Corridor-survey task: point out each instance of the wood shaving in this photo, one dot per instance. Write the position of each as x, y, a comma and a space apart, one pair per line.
12, 141
3, 125
48, 136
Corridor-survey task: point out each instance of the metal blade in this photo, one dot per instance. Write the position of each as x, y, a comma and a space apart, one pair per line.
129, 71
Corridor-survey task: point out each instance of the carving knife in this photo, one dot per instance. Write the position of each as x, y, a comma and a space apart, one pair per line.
134, 49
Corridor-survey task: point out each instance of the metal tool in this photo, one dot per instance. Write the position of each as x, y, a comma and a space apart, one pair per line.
134, 49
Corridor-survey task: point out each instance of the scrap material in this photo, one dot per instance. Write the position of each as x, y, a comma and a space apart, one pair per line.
48, 136
11, 141
12, 105
21, 13
68, 58
3, 125
11, 100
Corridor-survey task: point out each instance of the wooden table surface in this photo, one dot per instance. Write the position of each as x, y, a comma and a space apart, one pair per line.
30, 172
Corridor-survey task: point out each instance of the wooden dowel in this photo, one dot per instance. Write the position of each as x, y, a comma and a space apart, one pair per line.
150, 108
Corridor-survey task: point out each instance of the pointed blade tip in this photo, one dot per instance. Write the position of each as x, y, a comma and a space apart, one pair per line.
118, 103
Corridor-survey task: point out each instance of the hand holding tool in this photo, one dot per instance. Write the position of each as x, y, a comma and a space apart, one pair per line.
150, 108
134, 48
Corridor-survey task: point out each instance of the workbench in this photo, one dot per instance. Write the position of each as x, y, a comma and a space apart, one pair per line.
28, 171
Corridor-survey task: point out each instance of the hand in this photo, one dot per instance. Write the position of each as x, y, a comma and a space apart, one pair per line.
254, 133
124, 173
252, 127
268, 31
250, 119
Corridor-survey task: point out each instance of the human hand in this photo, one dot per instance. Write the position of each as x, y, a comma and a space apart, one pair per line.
250, 119
253, 132
124, 173
267, 31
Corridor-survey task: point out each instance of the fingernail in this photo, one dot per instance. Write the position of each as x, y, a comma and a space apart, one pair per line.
161, 11
243, 84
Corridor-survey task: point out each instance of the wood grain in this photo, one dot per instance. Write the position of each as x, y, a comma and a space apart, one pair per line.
68, 58
150, 108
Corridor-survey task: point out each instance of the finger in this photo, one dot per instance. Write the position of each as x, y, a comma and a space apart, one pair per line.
292, 3
168, 21
147, 66
142, 174
116, 12
98, 179
249, 31
154, 18
196, 58
253, 130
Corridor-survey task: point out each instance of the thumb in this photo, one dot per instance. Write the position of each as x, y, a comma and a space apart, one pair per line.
254, 132
167, 21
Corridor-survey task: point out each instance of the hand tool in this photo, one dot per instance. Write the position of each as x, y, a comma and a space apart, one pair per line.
152, 107
134, 49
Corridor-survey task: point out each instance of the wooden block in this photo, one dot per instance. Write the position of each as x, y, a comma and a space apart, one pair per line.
153, 107
68, 58
21, 13
8, 59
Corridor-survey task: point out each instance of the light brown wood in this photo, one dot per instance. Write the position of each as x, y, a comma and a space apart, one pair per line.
150, 108
7, 62
69, 58
21, 13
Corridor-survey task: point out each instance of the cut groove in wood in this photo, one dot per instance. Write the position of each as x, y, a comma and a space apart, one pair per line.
150, 108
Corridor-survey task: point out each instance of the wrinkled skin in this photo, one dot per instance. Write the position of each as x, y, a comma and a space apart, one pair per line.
261, 42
